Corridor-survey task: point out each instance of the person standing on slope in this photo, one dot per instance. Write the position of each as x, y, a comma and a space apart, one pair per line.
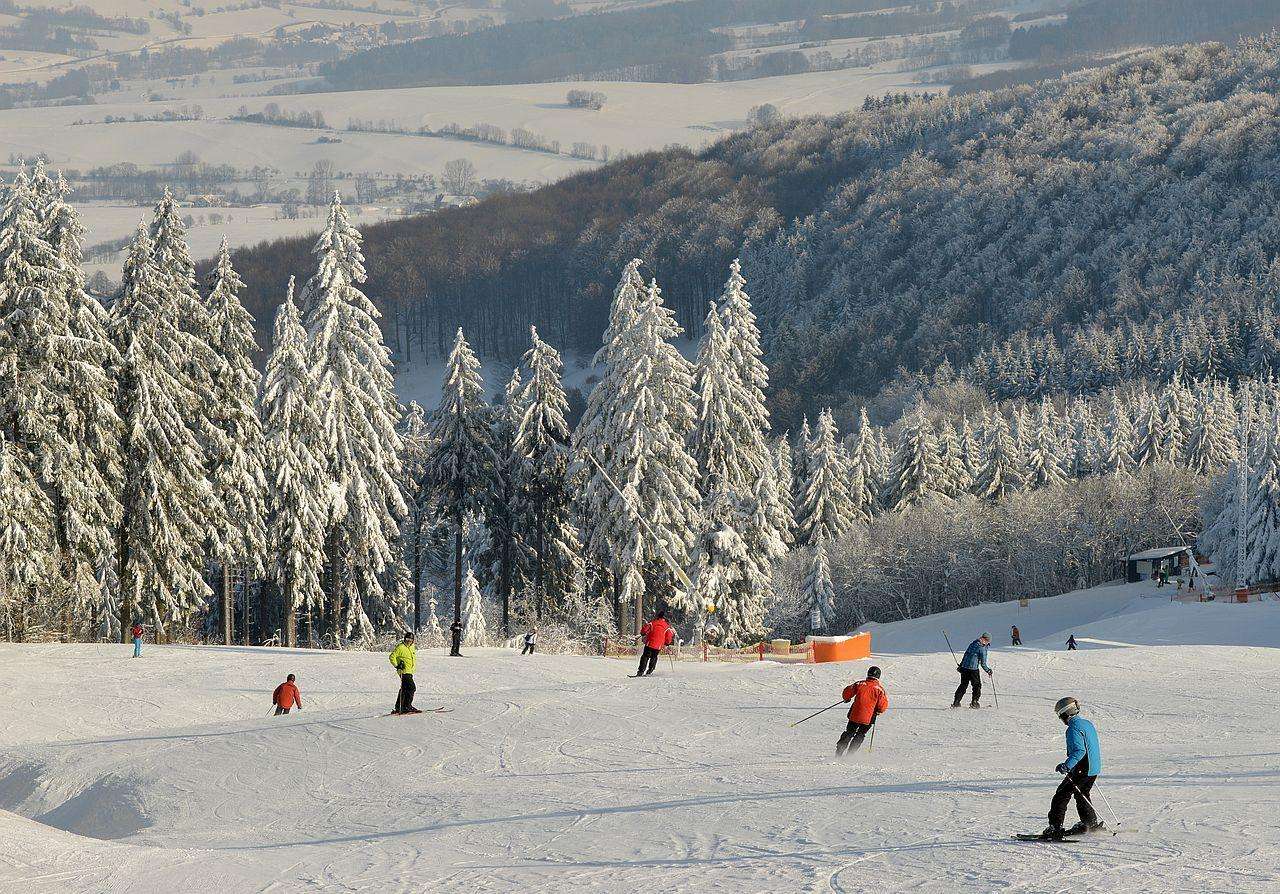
657, 635
404, 658
530, 641
136, 633
1081, 769
1071, 643
286, 696
974, 657
1017, 636
869, 702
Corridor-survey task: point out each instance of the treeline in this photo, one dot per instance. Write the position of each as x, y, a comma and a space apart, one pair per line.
667, 42
1094, 26
886, 240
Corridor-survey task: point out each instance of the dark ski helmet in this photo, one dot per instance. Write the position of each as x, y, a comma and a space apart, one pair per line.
873, 673
1066, 708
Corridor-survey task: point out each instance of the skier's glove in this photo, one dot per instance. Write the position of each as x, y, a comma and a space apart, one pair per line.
1061, 768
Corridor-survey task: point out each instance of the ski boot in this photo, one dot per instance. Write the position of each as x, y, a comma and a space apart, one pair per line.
974, 704
955, 704
1053, 833
1083, 828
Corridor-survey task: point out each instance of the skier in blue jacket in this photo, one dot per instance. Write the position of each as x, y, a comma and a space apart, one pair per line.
974, 657
1081, 769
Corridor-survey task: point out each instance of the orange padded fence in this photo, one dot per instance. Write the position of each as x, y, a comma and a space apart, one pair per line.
841, 648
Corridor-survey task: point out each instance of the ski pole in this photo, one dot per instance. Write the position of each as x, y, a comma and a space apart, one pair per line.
816, 713
1085, 798
994, 695
1115, 819
953, 651
872, 743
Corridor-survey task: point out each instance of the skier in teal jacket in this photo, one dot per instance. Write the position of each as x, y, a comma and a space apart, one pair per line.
1080, 769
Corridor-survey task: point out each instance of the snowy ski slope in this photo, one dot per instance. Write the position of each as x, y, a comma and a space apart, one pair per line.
557, 773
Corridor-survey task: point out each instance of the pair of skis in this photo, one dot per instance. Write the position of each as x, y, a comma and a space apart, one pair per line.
440, 710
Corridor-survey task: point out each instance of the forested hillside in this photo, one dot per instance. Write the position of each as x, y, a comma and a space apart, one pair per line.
887, 239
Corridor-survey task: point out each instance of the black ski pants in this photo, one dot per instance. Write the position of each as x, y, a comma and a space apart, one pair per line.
851, 738
528, 649
404, 701
1077, 784
969, 678
649, 658
280, 710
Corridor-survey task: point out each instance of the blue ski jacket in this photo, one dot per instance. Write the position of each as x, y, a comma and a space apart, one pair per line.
1082, 743
975, 656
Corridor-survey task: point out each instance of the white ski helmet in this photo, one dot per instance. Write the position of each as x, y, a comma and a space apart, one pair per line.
1066, 707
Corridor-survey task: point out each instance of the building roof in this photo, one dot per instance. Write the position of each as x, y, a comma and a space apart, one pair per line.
1161, 552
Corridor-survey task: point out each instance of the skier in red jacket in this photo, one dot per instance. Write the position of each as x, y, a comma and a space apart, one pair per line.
657, 635
869, 702
286, 696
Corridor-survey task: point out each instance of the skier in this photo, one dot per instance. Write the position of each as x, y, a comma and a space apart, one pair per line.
657, 635
1081, 769
404, 659
1017, 636
530, 641
136, 633
1071, 643
286, 696
869, 702
974, 657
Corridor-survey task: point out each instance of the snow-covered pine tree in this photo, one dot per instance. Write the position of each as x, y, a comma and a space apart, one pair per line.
297, 498
26, 539
503, 563
474, 631
970, 452
956, 477
1044, 461
1262, 518
237, 474
819, 593
826, 510
1002, 473
634, 432
864, 486
800, 470
415, 533
916, 471
1151, 436
351, 371
730, 444
784, 480
1211, 438
81, 464
1176, 411
460, 467
200, 366
166, 496
542, 455
1117, 455
721, 569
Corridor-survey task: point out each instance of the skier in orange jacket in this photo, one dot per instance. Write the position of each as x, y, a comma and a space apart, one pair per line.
869, 702
657, 635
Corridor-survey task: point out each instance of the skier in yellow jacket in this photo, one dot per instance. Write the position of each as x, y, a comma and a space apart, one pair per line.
404, 658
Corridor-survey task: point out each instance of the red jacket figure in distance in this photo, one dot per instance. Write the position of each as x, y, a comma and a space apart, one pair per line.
869, 702
657, 634
286, 696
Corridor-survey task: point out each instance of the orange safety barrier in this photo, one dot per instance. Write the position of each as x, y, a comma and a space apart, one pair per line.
841, 648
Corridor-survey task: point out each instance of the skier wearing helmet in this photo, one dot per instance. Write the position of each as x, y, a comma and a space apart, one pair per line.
1081, 769
869, 702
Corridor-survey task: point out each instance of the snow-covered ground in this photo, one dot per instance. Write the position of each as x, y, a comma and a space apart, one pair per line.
558, 773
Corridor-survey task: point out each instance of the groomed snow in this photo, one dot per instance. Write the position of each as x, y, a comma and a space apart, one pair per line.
558, 773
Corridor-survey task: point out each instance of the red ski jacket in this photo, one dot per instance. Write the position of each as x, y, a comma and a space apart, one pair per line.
287, 695
658, 633
136, 631
868, 701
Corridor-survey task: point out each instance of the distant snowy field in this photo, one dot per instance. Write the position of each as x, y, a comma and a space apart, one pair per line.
558, 773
